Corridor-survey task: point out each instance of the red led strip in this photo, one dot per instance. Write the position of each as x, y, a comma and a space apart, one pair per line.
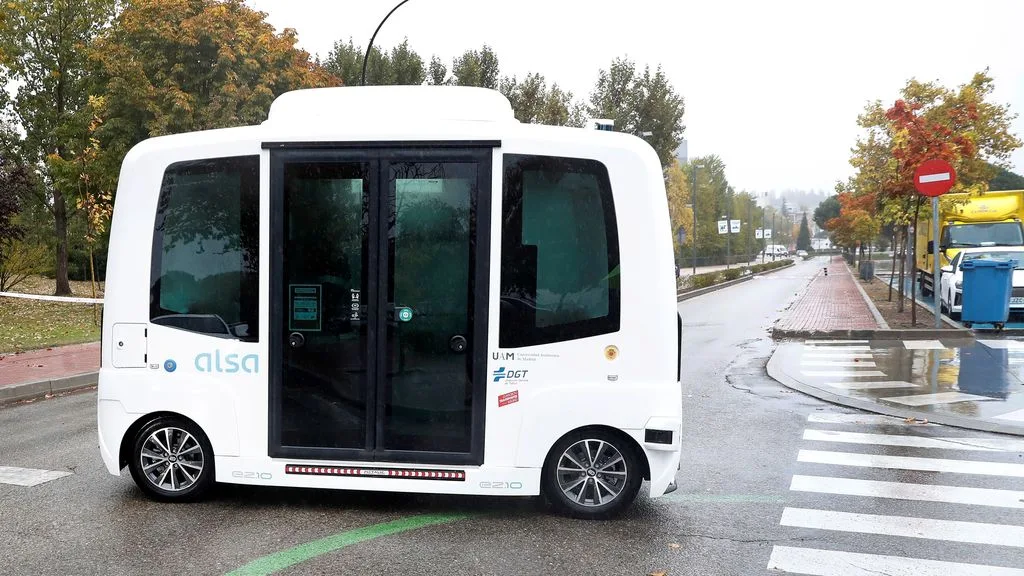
410, 473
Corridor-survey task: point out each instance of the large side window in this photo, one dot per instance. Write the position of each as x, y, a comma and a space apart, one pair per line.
205, 274
559, 251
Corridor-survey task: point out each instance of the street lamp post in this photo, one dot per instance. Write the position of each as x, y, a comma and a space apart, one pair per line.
369, 47
693, 207
728, 240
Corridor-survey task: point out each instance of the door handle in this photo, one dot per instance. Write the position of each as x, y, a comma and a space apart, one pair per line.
296, 340
457, 344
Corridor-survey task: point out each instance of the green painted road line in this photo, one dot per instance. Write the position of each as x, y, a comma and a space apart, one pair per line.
726, 498
303, 552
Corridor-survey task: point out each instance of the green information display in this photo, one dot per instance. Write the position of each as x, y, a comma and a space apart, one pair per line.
305, 307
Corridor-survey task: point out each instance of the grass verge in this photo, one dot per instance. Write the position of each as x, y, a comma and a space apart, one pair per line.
33, 324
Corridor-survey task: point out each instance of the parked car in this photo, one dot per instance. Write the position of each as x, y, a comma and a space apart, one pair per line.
952, 278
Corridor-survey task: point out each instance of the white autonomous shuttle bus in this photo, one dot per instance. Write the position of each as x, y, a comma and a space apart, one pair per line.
393, 288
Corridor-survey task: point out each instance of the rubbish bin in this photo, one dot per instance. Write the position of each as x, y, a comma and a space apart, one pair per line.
987, 289
867, 270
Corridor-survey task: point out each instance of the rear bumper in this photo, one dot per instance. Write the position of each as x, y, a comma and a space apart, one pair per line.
663, 452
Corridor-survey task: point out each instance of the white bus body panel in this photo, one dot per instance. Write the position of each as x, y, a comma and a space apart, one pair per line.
569, 384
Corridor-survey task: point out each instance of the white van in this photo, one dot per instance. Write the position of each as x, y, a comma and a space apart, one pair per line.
775, 251
393, 288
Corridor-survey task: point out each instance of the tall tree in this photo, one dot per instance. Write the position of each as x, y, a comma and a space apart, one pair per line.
826, 211
638, 103
42, 52
803, 237
680, 211
170, 66
437, 72
476, 68
535, 103
1006, 180
401, 66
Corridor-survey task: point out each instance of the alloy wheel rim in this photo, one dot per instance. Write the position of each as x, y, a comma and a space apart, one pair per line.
172, 459
591, 472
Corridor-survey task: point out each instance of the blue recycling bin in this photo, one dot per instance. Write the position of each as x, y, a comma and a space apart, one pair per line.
988, 286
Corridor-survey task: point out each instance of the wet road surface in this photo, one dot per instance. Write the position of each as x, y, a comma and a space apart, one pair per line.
750, 492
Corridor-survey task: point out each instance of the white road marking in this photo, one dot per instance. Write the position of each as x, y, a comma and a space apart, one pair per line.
911, 463
838, 363
908, 491
1015, 416
936, 398
1003, 344
940, 177
923, 345
837, 418
844, 373
826, 342
837, 563
844, 347
945, 443
872, 385
28, 476
905, 526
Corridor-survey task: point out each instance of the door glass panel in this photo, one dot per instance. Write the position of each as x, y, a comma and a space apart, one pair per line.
324, 396
427, 393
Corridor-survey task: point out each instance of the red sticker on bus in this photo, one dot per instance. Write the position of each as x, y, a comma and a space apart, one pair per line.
509, 398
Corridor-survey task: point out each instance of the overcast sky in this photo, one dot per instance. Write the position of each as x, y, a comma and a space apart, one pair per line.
772, 87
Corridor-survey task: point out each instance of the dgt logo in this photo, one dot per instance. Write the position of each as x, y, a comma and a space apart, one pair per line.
205, 362
502, 374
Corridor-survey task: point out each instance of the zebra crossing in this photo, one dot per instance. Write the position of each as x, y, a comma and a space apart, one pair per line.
985, 373
950, 501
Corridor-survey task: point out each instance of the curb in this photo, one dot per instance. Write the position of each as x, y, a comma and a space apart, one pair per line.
43, 388
876, 334
868, 406
681, 296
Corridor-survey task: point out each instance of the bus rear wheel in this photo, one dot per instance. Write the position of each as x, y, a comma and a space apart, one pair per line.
172, 460
592, 474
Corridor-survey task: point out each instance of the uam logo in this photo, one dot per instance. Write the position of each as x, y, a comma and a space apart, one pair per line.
206, 362
502, 374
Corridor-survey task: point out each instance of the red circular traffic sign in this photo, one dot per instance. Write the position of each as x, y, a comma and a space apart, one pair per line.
934, 177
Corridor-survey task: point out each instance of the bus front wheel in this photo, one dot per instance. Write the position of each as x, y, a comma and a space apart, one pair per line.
172, 460
592, 474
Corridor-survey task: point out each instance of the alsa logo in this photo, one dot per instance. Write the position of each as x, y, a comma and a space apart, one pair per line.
503, 374
229, 364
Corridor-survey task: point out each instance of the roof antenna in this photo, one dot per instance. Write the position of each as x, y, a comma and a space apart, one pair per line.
366, 56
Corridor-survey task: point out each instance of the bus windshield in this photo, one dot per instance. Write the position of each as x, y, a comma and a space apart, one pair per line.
992, 234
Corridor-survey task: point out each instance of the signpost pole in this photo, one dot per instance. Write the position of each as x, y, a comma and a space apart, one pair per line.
728, 242
693, 204
935, 255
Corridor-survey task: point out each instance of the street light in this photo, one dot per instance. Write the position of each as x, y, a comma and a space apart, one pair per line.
366, 57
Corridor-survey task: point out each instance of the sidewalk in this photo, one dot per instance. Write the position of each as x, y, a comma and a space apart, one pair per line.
977, 384
41, 372
831, 302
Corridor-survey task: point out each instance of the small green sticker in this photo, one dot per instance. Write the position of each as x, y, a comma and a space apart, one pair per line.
405, 314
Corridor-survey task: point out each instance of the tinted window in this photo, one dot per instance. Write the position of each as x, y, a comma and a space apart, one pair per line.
205, 247
992, 234
560, 252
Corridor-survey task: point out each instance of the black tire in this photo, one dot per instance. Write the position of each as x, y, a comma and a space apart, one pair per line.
177, 444
955, 316
625, 475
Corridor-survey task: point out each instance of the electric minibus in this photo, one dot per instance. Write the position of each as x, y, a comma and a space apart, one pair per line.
398, 289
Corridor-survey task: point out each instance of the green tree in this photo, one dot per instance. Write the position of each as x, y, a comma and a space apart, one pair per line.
535, 103
166, 66
826, 211
41, 51
803, 238
401, 66
437, 72
476, 68
1006, 180
638, 103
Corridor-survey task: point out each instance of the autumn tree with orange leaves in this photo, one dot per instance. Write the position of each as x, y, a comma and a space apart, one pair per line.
928, 121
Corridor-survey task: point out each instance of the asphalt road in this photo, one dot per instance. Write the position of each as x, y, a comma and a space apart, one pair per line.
742, 436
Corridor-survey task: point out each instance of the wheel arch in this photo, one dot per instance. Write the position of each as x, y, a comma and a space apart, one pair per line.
142, 421
626, 438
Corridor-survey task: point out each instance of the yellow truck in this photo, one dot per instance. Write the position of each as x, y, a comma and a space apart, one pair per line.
992, 219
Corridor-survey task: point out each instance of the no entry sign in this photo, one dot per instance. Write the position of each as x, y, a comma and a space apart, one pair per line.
934, 177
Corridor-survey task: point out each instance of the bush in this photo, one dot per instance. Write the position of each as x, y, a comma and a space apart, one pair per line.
732, 274
704, 280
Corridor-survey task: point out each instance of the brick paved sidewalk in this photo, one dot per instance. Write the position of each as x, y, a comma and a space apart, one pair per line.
831, 302
49, 364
